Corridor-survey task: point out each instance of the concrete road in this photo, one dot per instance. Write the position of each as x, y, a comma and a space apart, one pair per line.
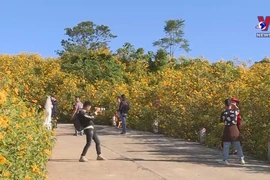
144, 156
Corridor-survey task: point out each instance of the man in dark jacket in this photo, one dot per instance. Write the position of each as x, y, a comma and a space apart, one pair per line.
87, 123
54, 109
123, 109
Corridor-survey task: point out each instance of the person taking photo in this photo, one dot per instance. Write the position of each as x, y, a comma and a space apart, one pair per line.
86, 121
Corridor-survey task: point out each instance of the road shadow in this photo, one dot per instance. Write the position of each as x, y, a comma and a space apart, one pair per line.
167, 149
63, 160
176, 150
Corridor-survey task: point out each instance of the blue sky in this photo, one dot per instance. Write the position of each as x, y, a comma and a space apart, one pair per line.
215, 29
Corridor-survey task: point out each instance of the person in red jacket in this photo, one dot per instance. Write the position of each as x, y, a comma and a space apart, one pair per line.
239, 119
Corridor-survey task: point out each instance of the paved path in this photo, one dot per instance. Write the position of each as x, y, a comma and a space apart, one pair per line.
144, 156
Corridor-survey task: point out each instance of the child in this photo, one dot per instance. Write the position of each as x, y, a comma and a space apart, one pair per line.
231, 134
117, 114
118, 120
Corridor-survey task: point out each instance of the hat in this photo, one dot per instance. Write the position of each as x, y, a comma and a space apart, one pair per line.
236, 100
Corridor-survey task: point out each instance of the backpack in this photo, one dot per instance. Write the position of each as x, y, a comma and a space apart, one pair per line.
126, 107
77, 123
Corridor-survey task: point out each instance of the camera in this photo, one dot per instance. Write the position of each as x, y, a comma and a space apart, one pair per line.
100, 108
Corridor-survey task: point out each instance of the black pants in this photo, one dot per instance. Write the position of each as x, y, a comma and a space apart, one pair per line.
91, 134
54, 116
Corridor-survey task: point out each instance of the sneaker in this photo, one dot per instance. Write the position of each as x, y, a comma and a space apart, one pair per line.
122, 133
81, 133
225, 162
100, 157
83, 159
243, 162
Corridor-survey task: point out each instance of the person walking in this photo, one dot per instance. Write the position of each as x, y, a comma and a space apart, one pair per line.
123, 109
78, 105
231, 134
90, 132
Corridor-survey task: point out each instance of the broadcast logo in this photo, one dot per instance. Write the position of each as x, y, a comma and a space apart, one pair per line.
263, 25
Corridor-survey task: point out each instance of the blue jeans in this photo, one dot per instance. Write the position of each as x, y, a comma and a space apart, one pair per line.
119, 116
236, 145
124, 121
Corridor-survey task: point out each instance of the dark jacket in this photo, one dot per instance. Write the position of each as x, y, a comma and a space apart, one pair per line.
54, 109
85, 118
124, 107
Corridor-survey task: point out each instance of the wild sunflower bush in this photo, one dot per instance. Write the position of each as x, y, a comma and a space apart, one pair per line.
25, 144
191, 94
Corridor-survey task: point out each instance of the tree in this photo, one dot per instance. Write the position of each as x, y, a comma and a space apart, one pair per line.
140, 55
86, 36
129, 53
92, 66
160, 61
126, 52
264, 60
173, 39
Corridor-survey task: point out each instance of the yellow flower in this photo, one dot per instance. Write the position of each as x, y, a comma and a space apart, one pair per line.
35, 168
2, 159
13, 99
47, 151
4, 121
21, 154
27, 177
30, 137
53, 133
16, 91
23, 115
1, 136
6, 174
3, 97
45, 176
34, 101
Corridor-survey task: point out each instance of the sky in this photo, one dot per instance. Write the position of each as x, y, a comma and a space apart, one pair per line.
215, 29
